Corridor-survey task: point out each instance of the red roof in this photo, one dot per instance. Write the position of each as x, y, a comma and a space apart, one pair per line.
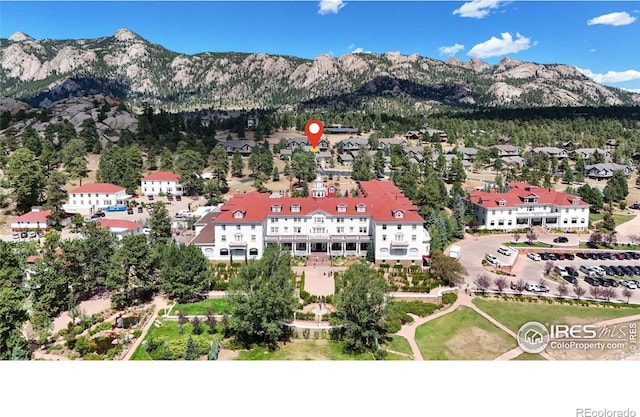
98, 187
381, 200
519, 191
33, 217
162, 176
118, 224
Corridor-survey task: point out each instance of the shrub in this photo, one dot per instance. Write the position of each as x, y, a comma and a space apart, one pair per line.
137, 333
449, 298
93, 357
83, 345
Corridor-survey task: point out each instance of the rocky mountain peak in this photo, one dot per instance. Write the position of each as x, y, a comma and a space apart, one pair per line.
124, 34
19, 37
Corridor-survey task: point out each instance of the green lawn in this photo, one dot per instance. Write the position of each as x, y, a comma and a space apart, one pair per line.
526, 356
170, 331
617, 218
528, 245
462, 335
219, 306
398, 344
302, 349
514, 314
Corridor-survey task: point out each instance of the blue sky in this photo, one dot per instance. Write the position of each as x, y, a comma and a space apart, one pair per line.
601, 38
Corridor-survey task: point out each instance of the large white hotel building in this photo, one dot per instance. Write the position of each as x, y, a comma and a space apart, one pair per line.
320, 224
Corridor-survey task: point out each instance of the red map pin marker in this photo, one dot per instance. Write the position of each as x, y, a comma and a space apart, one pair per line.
314, 130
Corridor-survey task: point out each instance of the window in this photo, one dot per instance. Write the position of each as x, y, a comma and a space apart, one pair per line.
342, 208
509, 212
237, 227
318, 219
253, 252
223, 238
501, 222
340, 229
510, 222
399, 214
502, 203
384, 238
399, 227
253, 238
361, 208
224, 252
297, 229
384, 227
253, 227
582, 221
363, 229
273, 220
238, 237
276, 208
274, 229
492, 223
296, 219
351, 228
340, 220
399, 237
414, 227
223, 227
295, 208
414, 238
238, 214
530, 208
363, 220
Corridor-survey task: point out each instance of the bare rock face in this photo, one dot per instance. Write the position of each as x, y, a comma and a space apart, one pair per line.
19, 37
12, 106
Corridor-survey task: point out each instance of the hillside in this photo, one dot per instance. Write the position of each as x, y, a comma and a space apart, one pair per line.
129, 67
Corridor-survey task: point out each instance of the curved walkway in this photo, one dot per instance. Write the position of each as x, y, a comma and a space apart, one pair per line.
408, 331
158, 304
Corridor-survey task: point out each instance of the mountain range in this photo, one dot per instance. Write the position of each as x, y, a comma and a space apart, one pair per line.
126, 65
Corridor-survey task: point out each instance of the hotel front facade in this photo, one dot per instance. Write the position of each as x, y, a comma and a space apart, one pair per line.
380, 217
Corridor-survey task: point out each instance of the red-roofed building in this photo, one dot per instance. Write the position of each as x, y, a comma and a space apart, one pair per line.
524, 206
336, 226
162, 182
34, 220
88, 198
120, 228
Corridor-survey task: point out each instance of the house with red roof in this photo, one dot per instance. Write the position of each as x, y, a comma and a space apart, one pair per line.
524, 206
379, 217
36, 219
89, 198
162, 182
120, 228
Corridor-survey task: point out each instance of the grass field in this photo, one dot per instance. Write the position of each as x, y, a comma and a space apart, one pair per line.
528, 357
617, 218
462, 335
219, 306
398, 344
514, 314
303, 350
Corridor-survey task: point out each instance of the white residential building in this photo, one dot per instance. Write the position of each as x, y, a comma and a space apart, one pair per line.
36, 219
162, 182
318, 225
89, 198
120, 228
524, 206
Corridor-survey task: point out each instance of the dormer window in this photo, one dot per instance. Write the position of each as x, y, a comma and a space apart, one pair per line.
502, 203
238, 214
342, 208
276, 208
361, 208
576, 201
295, 208
398, 214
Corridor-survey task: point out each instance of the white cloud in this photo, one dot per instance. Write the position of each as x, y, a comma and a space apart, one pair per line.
612, 19
477, 8
330, 6
360, 51
611, 76
497, 47
350, 47
451, 50
592, 50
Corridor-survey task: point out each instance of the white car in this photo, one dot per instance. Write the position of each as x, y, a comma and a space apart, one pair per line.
629, 283
504, 251
534, 256
492, 259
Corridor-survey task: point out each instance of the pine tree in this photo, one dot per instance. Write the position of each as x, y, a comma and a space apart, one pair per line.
214, 351
191, 350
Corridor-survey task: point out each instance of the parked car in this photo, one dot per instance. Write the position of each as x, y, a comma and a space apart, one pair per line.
561, 239
560, 256
140, 209
492, 259
16, 236
572, 271
150, 197
504, 251
32, 235
534, 256
593, 281
544, 256
571, 279
629, 283
130, 210
24, 235
612, 282
635, 206
569, 256
552, 257
178, 198
169, 197
603, 282
100, 213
